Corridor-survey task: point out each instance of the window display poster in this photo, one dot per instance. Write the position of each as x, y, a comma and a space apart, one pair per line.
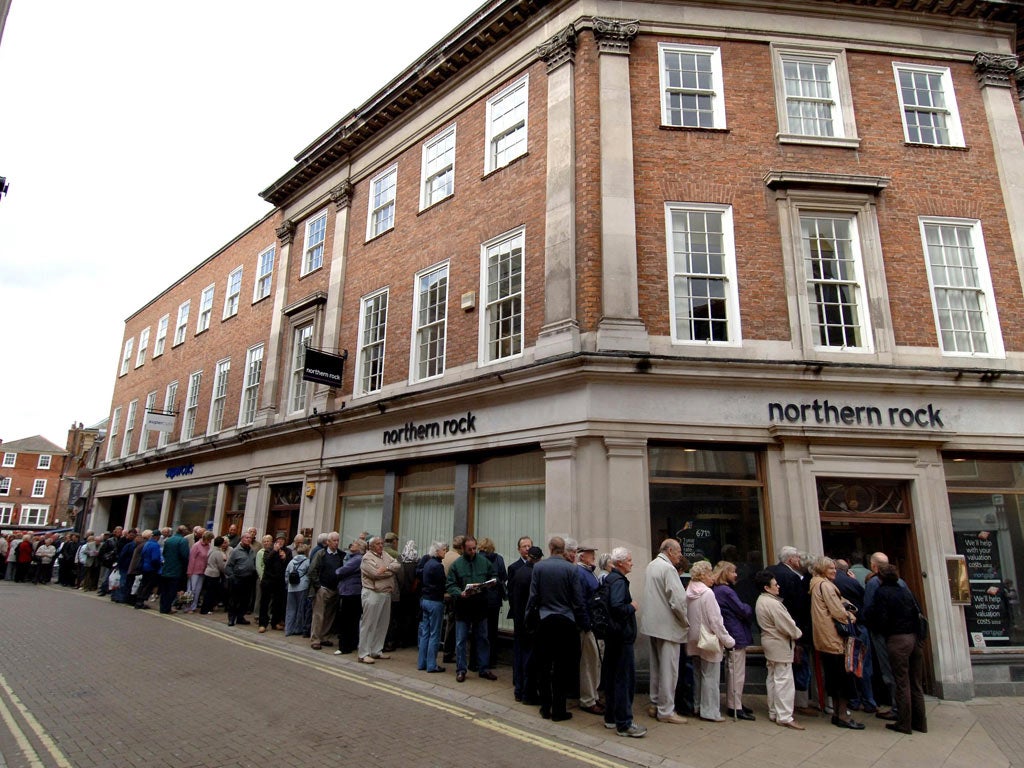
988, 615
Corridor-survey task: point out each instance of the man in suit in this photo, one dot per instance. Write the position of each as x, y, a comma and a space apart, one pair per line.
663, 620
556, 596
788, 572
524, 680
524, 545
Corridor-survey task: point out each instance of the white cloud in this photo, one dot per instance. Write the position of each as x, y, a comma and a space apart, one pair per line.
136, 138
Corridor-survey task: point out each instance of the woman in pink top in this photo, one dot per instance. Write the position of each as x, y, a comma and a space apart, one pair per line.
197, 557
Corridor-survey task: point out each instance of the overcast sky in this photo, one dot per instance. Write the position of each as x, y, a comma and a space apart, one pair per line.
136, 137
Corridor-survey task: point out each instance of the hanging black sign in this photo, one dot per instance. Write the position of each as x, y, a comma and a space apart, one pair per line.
323, 367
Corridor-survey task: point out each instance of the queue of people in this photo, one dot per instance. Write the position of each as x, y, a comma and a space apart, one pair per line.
574, 618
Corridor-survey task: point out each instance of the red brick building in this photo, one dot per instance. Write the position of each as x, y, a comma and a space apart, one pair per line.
746, 273
30, 472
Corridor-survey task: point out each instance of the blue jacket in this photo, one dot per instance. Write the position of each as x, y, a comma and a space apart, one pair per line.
152, 557
350, 581
736, 614
433, 580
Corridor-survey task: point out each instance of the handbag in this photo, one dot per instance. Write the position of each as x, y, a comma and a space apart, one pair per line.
708, 641
855, 654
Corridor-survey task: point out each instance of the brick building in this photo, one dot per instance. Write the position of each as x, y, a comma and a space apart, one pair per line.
746, 273
30, 472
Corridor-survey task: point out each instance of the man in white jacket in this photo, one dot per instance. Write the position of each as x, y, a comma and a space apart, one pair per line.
663, 620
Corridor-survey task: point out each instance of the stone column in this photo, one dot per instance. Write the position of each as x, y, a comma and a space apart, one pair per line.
994, 71
620, 327
131, 514
250, 519
318, 510
326, 398
271, 383
560, 334
627, 490
218, 506
166, 509
559, 488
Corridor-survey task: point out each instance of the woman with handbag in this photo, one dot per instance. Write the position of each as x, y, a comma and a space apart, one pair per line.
895, 614
706, 640
827, 610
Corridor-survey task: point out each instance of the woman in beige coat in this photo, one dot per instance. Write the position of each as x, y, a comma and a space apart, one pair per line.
828, 607
778, 634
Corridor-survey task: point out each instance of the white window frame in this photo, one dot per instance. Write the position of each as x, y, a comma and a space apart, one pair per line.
232, 293
727, 277
129, 428
144, 435
115, 428
10, 459
188, 422
181, 326
170, 395
126, 356
215, 422
429, 330
5, 486
264, 274
313, 243
373, 328
140, 357
956, 131
161, 335
844, 125
6, 510
499, 126
34, 514
298, 392
45, 461
382, 203
984, 289
249, 405
491, 304
716, 92
205, 308
39, 488
437, 165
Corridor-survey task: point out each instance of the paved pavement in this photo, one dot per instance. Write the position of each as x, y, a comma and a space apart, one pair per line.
84, 682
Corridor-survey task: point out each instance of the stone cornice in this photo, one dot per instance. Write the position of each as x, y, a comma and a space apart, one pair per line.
341, 195
995, 69
285, 232
559, 49
817, 180
615, 35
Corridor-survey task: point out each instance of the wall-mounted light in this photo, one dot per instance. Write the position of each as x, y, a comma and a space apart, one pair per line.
310, 490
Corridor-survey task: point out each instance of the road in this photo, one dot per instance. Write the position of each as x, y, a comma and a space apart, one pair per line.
85, 682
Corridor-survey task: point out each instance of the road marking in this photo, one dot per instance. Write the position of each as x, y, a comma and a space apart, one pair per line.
19, 735
490, 723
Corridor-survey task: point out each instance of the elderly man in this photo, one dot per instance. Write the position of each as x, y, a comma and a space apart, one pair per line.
878, 641
590, 654
556, 597
377, 570
789, 574
467, 578
174, 568
619, 669
664, 621
323, 587
240, 575
524, 679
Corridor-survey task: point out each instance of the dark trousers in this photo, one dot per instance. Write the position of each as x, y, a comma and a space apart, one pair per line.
618, 675
558, 661
907, 663
168, 592
350, 610
240, 597
44, 573
146, 586
213, 593
272, 600
524, 681
684, 684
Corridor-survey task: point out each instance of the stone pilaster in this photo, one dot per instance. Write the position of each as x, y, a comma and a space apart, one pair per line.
325, 398
270, 383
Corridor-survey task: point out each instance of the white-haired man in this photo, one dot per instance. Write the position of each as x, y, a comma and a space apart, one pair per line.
664, 622
619, 669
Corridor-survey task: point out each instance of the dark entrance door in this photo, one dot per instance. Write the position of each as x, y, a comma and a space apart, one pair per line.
283, 515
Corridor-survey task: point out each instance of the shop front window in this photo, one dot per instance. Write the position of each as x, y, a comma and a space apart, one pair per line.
711, 500
986, 502
195, 506
149, 511
426, 505
362, 505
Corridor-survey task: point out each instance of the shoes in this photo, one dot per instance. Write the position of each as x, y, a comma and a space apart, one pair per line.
608, 725
337, 653
594, 709
853, 725
315, 646
142, 606
894, 727
545, 713
460, 676
488, 675
922, 729
634, 731
436, 669
890, 715
383, 656
807, 711
739, 714
231, 623
243, 621
530, 701
652, 711
673, 718
561, 716
279, 627
204, 613
748, 710
388, 648
366, 660
324, 643
713, 719
262, 630
792, 724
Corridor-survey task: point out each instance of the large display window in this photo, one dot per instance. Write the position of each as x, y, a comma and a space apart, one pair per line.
986, 502
149, 511
426, 505
195, 506
362, 505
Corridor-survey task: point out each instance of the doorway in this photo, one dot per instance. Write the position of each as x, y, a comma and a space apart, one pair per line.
283, 515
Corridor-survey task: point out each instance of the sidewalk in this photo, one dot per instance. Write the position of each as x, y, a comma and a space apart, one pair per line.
982, 733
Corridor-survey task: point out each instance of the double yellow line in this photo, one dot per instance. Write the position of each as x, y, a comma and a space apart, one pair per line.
31, 755
489, 723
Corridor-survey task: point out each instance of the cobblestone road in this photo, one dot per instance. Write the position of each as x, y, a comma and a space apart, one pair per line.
85, 682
